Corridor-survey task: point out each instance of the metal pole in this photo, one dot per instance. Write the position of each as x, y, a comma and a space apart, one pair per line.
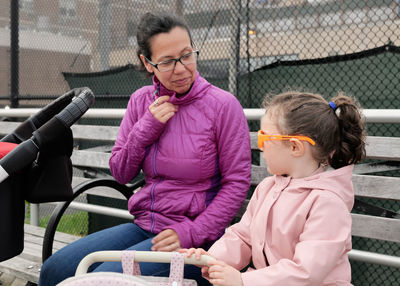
249, 75
234, 59
104, 41
179, 7
35, 214
14, 53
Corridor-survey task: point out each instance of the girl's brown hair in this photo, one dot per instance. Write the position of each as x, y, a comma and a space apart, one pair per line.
338, 129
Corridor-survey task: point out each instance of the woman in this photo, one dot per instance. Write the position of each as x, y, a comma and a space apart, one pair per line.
191, 140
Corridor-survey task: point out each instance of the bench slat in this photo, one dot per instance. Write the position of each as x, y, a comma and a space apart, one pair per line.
95, 132
258, 173
60, 236
384, 148
22, 268
376, 227
377, 187
90, 159
80, 132
6, 127
32, 252
364, 185
376, 167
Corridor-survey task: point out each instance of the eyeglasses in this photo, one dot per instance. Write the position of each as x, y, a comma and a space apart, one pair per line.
169, 65
263, 137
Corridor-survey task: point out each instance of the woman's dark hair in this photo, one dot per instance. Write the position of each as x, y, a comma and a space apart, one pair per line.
151, 25
337, 128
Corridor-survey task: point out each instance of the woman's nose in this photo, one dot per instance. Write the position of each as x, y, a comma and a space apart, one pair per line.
179, 67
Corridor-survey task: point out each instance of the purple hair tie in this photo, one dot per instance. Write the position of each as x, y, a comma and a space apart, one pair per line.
332, 105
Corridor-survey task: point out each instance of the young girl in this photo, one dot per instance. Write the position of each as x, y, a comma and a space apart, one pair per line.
297, 227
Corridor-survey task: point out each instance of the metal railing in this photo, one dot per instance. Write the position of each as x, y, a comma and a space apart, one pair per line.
371, 115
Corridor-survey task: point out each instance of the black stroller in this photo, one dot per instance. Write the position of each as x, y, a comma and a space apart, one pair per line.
39, 168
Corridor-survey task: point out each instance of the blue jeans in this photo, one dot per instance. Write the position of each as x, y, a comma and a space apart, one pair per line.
129, 236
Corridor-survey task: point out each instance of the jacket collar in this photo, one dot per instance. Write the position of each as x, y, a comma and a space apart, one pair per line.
337, 181
196, 91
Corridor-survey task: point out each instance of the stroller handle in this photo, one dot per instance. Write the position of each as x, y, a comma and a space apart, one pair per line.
26, 152
73, 111
53, 108
19, 158
140, 256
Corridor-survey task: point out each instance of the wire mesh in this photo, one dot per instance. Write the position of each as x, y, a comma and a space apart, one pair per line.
248, 47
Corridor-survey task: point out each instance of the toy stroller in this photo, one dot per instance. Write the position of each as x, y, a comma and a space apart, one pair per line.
131, 271
36, 166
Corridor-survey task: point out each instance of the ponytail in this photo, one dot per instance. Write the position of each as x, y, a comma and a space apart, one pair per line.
351, 144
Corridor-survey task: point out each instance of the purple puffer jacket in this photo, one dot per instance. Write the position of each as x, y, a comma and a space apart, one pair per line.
197, 165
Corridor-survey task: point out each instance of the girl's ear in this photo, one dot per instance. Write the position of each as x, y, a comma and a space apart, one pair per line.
297, 147
148, 66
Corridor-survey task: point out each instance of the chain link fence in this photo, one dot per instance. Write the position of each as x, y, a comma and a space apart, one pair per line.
250, 48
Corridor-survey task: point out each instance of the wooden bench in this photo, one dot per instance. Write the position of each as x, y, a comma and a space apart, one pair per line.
26, 266
385, 151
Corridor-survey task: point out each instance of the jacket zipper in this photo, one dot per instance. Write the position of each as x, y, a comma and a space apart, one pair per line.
153, 187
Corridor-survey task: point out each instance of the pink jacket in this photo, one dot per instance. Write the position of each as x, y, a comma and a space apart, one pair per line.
302, 226
197, 165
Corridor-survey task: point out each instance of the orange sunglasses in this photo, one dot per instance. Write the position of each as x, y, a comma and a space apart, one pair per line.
263, 137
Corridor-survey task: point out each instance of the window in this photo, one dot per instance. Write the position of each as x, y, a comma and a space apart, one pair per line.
261, 2
67, 8
330, 19
381, 14
26, 5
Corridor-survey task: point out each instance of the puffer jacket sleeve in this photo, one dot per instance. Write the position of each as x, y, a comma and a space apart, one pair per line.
234, 153
321, 246
138, 130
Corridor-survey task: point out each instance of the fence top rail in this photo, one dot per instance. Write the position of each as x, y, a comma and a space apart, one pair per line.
371, 115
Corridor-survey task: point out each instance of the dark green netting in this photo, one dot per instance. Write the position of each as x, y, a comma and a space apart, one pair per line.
118, 81
372, 76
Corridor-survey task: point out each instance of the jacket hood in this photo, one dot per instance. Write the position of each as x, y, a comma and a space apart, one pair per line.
337, 181
197, 89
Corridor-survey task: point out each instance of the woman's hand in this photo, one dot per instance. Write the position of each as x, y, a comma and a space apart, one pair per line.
162, 110
222, 274
167, 240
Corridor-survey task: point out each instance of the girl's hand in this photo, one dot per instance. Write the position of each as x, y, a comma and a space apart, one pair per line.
221, 274
167, 240
162, 110
197, 253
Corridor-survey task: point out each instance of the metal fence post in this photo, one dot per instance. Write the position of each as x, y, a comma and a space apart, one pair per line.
234, 47
14, 53
34, 214
104, 40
